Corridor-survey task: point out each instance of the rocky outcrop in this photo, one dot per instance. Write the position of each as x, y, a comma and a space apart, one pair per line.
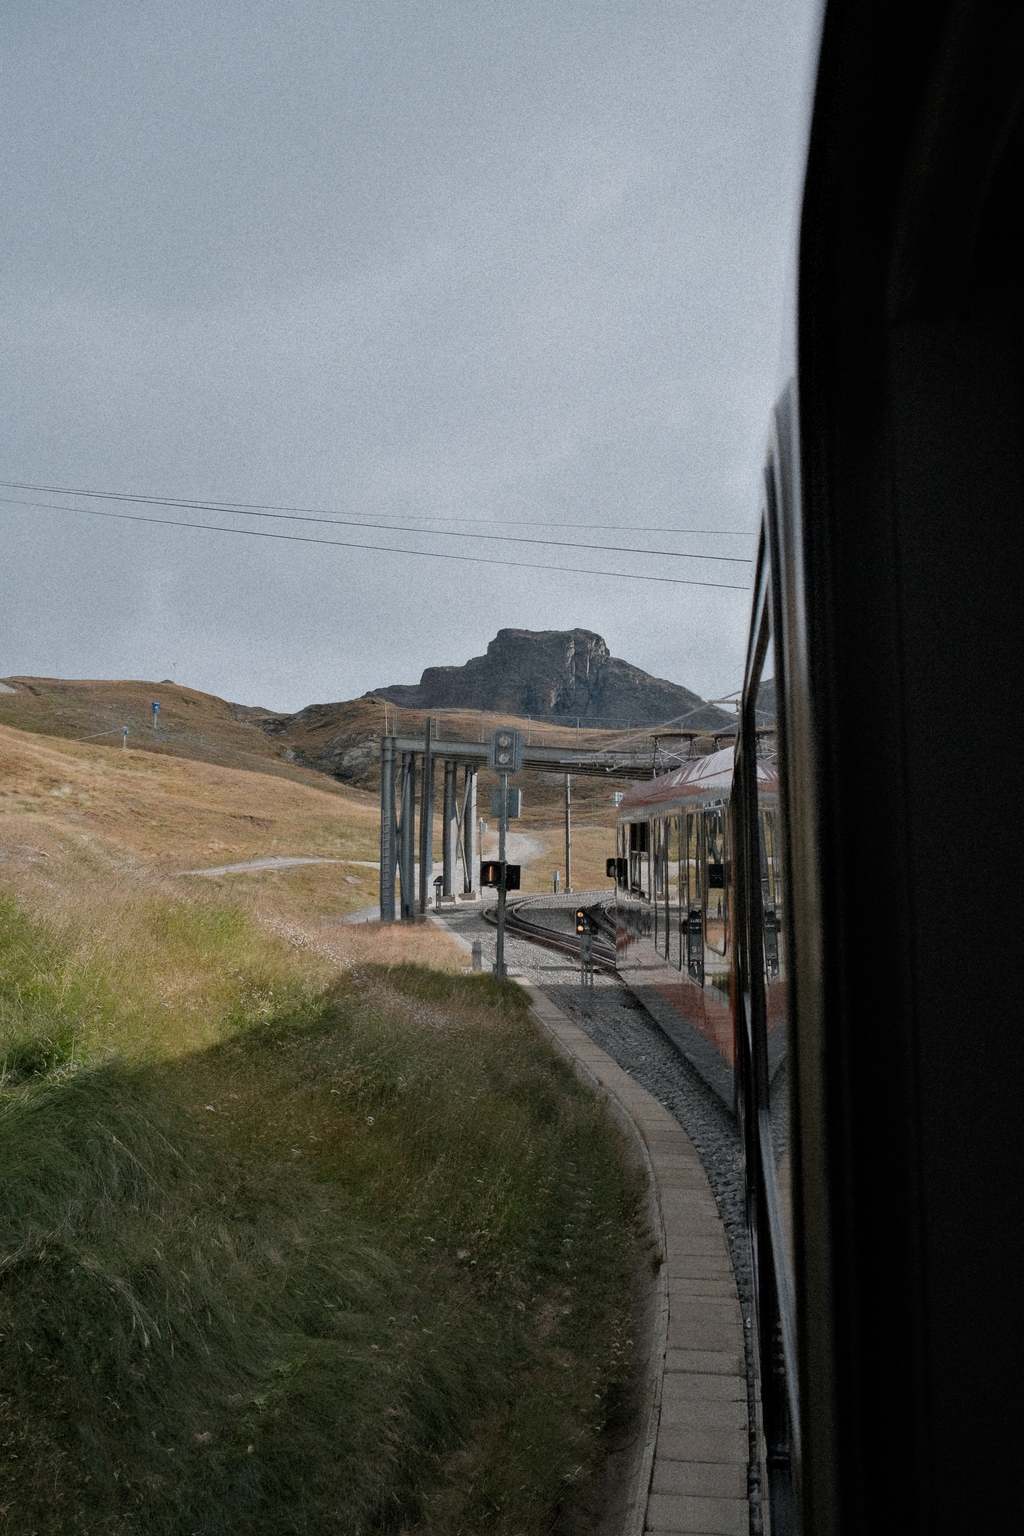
565, 674
340, 739
254, 714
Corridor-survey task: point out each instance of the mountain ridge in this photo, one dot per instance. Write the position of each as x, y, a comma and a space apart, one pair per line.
555, 674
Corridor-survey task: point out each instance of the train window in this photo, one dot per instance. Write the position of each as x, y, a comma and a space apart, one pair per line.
716, 895
691, 857
657, 880
661, 875
673, 889
639, 859
771, 894
693, 901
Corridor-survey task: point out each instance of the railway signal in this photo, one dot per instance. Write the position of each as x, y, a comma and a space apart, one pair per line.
490, 875
505, 756
585, 928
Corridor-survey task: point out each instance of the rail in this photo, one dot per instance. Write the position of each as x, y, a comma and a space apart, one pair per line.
540, 933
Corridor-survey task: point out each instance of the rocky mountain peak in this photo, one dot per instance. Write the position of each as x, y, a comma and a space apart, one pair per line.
567, 673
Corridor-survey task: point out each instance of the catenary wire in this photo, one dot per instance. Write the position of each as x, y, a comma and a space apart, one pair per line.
438, 533
425, 554
310, 514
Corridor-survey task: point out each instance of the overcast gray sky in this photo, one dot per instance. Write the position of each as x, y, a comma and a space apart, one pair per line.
515, 269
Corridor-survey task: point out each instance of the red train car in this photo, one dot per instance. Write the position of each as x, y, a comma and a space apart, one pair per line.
675, 910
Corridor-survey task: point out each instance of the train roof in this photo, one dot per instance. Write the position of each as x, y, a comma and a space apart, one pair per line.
705, 776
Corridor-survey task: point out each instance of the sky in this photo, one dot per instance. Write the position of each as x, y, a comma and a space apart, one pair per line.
460, 269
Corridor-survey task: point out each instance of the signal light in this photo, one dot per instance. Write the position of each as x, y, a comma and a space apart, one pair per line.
581, 920
490, 874
505, 753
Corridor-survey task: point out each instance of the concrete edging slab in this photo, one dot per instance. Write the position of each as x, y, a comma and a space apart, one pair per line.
690, 1468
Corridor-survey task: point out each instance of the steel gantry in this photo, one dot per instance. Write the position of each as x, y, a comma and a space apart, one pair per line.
407, 810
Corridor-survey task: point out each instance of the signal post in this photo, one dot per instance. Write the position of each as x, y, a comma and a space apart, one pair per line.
505, 757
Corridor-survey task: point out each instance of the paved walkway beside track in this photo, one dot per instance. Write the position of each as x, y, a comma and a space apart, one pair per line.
690, 1476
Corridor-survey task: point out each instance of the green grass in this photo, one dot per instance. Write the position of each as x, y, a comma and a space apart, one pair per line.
361, 1266
145, 977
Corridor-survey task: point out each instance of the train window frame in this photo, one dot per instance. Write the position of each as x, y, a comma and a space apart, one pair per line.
767, 1192
718, 950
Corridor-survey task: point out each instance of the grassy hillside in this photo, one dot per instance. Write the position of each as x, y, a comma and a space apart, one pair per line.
190, 724
71, 812
304, 1230
313, 745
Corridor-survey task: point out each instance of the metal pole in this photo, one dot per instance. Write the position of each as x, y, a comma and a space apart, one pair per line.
586, 970
450, 828
405, 836
426, 821
568, 833
466, 836
473, 854
387, 830
499, 957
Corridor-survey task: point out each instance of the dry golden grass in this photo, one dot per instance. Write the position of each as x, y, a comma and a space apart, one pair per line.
170, 814
191, 724
175, 813
93, 840
160, 803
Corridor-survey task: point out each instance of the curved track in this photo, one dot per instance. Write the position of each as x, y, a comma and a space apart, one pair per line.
526, 927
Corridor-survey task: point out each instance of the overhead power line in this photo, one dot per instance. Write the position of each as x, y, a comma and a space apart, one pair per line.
315, 514
423, 554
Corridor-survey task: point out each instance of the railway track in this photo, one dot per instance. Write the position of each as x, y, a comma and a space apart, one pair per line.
517, 922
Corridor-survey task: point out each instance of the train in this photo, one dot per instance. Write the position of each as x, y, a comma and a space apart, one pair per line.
836, 902
675, 910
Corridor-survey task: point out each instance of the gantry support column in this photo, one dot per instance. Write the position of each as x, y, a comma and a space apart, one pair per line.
470, 852
406, 847
426, 821
388, 830
450, 826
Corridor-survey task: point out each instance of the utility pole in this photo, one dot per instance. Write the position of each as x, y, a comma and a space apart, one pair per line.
568, 833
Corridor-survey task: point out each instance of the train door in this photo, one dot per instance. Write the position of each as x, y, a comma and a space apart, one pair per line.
694, 898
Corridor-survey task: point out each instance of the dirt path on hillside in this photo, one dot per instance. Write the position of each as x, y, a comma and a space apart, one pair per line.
519, 847
278, 862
